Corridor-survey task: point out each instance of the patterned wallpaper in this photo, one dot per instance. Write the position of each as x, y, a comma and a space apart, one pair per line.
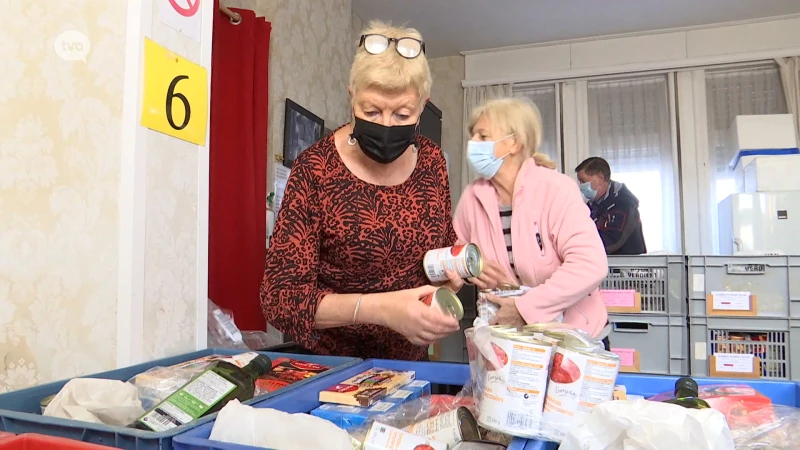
59, 175
448, 95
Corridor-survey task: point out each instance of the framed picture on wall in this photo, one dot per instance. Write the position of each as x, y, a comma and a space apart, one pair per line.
301, 129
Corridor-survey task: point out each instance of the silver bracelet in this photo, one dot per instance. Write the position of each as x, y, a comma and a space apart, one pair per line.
358, 305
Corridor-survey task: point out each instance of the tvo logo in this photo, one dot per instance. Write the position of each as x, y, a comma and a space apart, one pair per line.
72, 45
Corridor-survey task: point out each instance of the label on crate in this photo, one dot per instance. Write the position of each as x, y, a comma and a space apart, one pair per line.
700, 351
699, 282
746, 269
627, 356
733, 362
619, 297
731, 301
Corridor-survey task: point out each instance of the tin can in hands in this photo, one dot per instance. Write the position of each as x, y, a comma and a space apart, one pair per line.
466, 260
487, 309
446, 302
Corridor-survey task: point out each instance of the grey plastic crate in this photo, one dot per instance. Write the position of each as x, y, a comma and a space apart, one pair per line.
775, 342
659, 279
662, 341
774, 280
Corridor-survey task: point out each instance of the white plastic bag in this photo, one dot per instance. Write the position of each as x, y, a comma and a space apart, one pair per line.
647, 425
111, 402
269, 428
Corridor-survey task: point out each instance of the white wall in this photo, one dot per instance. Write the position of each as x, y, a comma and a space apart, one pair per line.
635, 52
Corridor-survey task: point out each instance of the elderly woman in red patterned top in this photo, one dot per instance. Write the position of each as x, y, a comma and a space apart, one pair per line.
344, 271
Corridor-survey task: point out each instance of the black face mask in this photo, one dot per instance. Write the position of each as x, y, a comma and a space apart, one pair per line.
381, 143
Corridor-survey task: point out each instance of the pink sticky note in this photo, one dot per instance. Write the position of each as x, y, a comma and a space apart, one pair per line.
626, 358
619, 297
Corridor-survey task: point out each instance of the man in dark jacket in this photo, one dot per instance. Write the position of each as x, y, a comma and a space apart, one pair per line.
614, 209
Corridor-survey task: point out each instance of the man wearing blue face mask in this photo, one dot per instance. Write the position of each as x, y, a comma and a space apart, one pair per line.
614, 208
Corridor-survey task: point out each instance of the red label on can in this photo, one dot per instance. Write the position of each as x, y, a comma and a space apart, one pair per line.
456, 249
428, 299
564, 371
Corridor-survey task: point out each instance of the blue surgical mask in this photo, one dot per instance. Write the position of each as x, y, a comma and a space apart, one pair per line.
481, 157
588, 193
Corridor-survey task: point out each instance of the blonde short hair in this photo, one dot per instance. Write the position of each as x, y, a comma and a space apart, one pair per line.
518, 117
389, 71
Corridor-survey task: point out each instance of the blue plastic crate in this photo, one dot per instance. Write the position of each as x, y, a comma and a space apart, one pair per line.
780, 392
20, 410
307, 398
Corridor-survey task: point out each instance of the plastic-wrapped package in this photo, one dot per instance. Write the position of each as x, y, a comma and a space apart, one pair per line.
223, 332
538, 382
777, 429
444, 418
754, 421
158, 383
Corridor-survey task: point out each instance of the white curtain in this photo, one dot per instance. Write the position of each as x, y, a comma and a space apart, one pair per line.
473, 97
629, 126
545, 99
790, 76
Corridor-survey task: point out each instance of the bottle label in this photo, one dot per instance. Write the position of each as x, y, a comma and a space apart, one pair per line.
189, 403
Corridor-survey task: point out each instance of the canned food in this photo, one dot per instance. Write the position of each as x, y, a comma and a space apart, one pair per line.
446, 302
46, 401
544, 326
513, 392
465, 260
450, 427
384, 437
487, 309
579, 380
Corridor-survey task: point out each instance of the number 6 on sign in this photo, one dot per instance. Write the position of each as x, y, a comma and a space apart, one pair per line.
175, 100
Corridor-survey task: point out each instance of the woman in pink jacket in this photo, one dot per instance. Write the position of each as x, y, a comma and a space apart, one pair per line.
549, 242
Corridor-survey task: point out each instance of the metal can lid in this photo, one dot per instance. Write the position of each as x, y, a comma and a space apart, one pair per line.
449, 303
502, 330
581, 348
467, 424
531, 340
575, 342
46, 401
474, 260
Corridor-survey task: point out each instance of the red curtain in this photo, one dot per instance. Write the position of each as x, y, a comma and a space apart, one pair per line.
238, 173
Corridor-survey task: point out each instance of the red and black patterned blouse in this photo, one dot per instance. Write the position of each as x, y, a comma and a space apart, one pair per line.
338, 234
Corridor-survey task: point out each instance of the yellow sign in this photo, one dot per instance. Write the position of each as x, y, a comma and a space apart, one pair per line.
175, 95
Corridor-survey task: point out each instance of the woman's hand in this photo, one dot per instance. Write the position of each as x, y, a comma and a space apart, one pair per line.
418, 322
491, 276
508, 313
455, 282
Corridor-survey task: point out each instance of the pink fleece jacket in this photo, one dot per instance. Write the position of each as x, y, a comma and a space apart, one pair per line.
566, 271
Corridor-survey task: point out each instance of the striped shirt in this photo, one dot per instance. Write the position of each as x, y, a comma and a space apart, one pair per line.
505, 221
